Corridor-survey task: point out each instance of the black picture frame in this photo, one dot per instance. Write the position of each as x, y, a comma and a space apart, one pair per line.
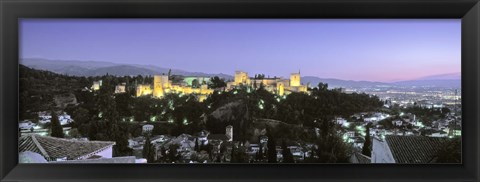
12, 10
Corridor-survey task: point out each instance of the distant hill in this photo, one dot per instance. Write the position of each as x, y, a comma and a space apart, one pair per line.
98, 68
450, 80
121, 70
62, 65
336, 83
449, 76
430, 83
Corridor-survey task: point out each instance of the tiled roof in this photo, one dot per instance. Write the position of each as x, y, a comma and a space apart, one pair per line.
218, 137
413, 149
362, 159
52, 148
117, 160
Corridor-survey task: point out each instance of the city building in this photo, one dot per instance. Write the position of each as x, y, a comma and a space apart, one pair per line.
96, 85
147, 128
121, 88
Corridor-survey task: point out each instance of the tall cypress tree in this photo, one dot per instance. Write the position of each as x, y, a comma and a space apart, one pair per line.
366, 150
233, 156
286, 153
196, 148
56, 128
271, 149
146, 149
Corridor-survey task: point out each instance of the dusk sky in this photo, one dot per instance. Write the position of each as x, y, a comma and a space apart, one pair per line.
372, 50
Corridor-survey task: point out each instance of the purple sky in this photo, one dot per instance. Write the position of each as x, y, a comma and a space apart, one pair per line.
373, 50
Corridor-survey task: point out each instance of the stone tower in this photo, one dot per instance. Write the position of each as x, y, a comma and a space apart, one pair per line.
160, 82
295, 79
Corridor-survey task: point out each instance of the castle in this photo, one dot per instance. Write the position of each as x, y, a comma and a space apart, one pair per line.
162, 85
275, 85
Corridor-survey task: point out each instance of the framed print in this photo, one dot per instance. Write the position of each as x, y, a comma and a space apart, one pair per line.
240, 91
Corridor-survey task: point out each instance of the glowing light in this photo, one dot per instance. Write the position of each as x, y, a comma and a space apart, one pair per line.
100, 115
457, 132
235, 92
359, 128
401, 114
153, 118
345, 137
346, 124
185, 121
278, 99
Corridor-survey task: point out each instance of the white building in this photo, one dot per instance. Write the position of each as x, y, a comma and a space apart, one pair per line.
229, 132
147, 128
26, 125
120, 88
45, 117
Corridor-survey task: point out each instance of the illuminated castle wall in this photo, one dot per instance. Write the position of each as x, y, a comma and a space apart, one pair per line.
275, 85
143, 89
241, 78
162, 85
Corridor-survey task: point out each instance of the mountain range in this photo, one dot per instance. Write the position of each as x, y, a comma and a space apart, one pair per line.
99, 68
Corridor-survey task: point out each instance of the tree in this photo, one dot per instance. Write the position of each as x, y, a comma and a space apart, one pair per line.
173, 155
232, 155
331, 148
163, 153
81, 117
216, 82
322, 86
148, 151
74, 133
366, 150
450, 151
109, 117
259, 156
195, 83
271, 148
196, 148
286, 153
56, 128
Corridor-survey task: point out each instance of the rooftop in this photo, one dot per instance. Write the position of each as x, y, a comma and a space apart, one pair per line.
222, 137
362, 159
52, 148
413, 149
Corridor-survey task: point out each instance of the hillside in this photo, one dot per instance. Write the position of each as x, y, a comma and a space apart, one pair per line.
45, 90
